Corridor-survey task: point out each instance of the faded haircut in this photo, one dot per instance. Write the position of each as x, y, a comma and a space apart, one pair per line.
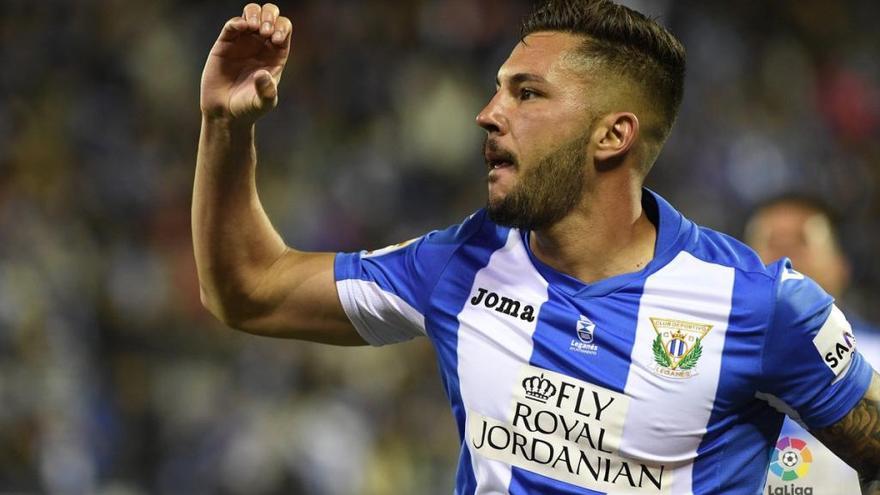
624, 42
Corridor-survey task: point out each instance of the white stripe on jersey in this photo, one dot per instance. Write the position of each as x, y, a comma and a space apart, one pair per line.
489, 372
686, 403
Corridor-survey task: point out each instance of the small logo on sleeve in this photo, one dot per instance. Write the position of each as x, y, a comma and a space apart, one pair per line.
678, 347
389, 249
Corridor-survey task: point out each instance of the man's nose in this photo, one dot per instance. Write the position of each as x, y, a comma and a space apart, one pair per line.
492, 118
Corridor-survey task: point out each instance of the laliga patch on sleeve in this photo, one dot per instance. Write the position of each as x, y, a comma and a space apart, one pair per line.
389, 249
791, 274
836, 342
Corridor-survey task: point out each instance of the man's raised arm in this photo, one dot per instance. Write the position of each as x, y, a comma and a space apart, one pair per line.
249, 278
856, 438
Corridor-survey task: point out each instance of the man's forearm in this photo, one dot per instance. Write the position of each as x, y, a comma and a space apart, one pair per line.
856, 438
233, 239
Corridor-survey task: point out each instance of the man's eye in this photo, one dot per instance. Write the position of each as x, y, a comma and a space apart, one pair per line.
527, 94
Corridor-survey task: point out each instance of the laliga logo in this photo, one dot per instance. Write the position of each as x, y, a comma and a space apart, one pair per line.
538, 389
791, 459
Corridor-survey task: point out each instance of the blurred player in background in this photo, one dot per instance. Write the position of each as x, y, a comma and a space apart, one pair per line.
591, 339
804, 229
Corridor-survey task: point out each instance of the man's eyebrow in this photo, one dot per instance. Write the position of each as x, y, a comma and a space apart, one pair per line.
522, 77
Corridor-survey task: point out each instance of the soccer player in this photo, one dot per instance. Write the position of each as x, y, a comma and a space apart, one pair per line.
591, 339
804, 229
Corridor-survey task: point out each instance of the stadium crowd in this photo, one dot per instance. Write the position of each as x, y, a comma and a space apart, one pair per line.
115, 381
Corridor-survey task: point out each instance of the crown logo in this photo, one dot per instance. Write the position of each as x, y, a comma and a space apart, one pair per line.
538, 388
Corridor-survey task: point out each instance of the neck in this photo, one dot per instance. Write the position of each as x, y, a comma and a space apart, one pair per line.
608, 234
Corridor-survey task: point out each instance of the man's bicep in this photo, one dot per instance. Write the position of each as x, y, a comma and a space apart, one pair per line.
297, 299
810, 360
856, 437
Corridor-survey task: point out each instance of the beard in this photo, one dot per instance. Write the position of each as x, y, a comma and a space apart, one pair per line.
545, 192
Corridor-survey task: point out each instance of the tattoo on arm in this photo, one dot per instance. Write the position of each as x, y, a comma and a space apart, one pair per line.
856, 438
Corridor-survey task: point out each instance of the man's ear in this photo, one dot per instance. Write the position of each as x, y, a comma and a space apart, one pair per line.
615, 135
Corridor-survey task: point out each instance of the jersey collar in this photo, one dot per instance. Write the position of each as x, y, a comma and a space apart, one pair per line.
673, 232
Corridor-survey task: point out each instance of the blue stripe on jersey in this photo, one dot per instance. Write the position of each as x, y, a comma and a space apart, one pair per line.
739, 465
736, 446
556, 349
445, 305
556, 341
612, 304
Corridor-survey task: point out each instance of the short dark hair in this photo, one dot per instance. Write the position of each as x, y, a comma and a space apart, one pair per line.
625, 41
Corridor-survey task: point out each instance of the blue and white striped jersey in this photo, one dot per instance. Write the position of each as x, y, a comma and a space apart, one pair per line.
665, 381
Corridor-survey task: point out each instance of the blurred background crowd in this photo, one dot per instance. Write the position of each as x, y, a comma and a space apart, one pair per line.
114, 380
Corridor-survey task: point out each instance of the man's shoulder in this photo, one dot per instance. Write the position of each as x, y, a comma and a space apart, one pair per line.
723, 249
679, 233
476, 229
791, 293
474, 237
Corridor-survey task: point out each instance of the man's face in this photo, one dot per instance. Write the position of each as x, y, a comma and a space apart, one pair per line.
538, 130
805, 236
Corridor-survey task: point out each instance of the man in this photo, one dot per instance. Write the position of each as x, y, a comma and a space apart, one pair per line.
590, 338
804, 229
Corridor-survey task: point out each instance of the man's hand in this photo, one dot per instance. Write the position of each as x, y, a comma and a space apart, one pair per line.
240, 80
250, 279
856, 438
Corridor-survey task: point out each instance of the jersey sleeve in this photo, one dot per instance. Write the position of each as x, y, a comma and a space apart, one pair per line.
386, 293
810, 367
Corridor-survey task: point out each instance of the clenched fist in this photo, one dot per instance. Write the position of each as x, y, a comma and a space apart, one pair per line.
240, 80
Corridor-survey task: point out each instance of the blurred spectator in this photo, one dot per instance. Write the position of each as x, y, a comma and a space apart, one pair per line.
113, 379
803, 229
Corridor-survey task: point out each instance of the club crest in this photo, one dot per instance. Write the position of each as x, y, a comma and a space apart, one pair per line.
678, 347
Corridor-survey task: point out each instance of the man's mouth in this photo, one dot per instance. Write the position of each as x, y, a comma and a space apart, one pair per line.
498, 164
496, 157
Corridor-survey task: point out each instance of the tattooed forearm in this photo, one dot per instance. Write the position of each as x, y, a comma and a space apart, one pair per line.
856, 438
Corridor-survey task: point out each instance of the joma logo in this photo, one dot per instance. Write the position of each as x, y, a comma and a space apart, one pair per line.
502, 304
